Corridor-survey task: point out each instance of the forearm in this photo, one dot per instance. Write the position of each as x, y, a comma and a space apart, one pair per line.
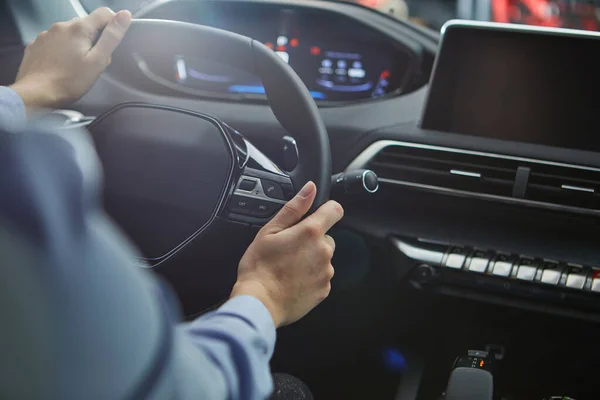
238, 341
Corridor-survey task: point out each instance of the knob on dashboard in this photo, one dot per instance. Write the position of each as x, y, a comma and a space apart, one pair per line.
424, 273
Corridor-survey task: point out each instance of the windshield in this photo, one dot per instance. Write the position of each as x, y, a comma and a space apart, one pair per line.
576, 14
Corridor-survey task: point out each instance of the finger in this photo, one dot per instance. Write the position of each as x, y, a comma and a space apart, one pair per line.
324, 218
99, 18
329, 240
293, 211
111, 36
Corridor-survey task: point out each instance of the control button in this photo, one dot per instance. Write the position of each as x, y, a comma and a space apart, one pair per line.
264, 208
502, 267
456, 258
424, 273
272, 189
242, 205
575, 277
527, 270
551, 273
479, 262
247, 185
596, 281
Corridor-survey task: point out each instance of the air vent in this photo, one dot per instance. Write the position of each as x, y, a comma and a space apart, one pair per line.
514, 180
574, 187
441, 168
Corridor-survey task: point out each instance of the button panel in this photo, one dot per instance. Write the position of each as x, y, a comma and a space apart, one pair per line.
540, 274
542, 285
257, 198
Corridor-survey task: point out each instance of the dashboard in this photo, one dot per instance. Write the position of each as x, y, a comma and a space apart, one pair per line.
338, 58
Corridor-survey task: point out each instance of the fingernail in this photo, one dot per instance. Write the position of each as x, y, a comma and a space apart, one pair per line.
123, 19
306, 190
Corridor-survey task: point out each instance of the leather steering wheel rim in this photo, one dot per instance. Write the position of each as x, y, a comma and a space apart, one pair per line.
287, 95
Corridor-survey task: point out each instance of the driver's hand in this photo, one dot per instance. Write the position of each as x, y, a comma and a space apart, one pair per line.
288, 266
63, 63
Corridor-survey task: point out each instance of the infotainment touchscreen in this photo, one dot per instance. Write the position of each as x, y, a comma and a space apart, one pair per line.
517, 83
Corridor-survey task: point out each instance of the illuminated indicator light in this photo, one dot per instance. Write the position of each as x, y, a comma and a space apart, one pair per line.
270, 45
315, 51
481, 363
281, 48
385, 74
356, 73
181, 70
282, 40
294, 42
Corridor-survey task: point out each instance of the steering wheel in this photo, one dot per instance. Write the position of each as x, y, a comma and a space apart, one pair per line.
171, 173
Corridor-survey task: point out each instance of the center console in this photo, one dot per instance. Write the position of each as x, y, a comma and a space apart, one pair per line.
527, 281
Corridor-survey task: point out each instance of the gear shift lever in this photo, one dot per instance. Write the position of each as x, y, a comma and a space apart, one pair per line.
471, 378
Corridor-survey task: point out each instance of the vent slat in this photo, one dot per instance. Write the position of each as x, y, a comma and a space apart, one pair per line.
433, 168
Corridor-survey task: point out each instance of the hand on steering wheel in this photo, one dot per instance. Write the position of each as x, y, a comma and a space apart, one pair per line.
288, 266
63, 63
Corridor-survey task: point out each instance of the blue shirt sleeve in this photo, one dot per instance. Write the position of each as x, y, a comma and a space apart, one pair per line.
81, 320
12, 108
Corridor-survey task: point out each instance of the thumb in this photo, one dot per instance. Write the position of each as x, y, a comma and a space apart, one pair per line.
111, 36
293, 211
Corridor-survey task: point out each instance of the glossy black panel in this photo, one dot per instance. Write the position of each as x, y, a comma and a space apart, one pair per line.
166, 172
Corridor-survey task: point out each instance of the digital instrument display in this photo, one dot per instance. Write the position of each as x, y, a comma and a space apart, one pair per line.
516, 85
338, 59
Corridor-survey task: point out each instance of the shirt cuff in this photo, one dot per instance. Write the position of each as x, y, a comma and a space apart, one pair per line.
12, 108
254, 312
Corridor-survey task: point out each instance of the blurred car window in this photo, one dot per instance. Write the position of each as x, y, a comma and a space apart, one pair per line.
574, 14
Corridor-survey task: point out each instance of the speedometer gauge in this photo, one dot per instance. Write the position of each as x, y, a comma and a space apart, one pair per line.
337, 58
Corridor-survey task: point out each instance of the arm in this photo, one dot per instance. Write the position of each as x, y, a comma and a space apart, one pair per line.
82, 323
101, 323
111, 323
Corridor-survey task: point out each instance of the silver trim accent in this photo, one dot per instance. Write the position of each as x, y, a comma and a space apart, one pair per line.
517, 28
578, 189
361, 161
365, 183
465, 173
419, 254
